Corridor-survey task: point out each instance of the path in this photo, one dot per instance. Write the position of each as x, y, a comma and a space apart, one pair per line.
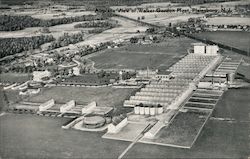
135, 140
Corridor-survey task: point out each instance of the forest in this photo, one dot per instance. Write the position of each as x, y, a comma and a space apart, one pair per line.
11, 46
14, 22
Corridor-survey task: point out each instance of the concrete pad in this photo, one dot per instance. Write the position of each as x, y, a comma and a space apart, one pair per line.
127, 133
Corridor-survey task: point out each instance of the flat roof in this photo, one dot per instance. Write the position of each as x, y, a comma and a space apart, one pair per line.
199, 44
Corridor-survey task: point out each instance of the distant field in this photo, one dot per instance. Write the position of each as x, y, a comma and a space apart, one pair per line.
161, 18
14, 77
240, 40
228, 21
135, 56
106, 96
56, 31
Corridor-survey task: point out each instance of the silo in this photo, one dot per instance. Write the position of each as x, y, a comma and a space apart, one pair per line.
160, 109
137, 109
231, 77
141, 110
146, 110
152, 110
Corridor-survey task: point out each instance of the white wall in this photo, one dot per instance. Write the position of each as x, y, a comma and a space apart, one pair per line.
47, 105
199, 49
66, 107
89, 108
116, 128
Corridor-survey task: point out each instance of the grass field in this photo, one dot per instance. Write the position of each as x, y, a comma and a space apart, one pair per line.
240, 40
134, 56
105, 96
184, 128
14, 77
29, 136
92, 79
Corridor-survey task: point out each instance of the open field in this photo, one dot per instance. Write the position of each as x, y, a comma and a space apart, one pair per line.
32, 136
236, 108
56, 31
161, 18
14, 77
236, 39
126, 30
135, 56
56, 15
104, 96
228, 21
41, 14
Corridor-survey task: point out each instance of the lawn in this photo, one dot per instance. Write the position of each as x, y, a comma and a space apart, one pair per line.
183, 130
135, 56
105, 96
92, 79
237, 39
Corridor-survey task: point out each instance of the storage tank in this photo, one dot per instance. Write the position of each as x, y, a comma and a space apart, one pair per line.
231, 77
160, 109
209, 49
142, 110
152, 110
137, 109
147, 111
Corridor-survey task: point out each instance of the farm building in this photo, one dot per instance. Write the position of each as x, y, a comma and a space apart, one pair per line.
38, 76
117, 124
201, 48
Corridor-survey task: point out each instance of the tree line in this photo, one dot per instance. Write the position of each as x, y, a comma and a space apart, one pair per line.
67, 39
11, 46
12, 23
95, 24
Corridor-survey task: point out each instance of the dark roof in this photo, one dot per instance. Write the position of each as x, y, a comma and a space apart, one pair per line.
163, 72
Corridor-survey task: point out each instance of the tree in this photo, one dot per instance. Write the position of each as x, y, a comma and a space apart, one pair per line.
134, 40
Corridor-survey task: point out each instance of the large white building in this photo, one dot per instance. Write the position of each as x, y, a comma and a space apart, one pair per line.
201, 48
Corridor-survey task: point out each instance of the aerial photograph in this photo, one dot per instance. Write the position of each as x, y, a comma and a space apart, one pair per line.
83, 79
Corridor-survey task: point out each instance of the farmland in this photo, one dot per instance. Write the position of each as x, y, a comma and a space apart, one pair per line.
104, 96
237, 39
161, 18
134, 56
